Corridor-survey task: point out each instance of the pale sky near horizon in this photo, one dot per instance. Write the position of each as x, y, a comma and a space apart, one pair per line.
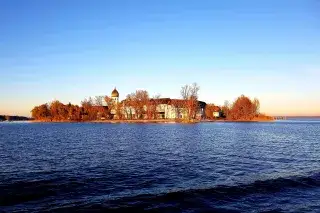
72, 49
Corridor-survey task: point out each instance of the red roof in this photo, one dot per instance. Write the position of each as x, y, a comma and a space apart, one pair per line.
216, 109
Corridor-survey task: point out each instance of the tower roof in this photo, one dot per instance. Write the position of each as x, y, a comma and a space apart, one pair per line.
115, 93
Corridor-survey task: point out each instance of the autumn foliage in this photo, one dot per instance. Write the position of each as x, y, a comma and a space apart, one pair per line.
57, 111
210, 110
139, 105
243, 109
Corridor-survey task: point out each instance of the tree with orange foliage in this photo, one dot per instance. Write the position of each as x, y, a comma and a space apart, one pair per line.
88, 111
41, 112
139, 101
102, 111
119, 111
115, 109
74, 112
58, 111
244, 109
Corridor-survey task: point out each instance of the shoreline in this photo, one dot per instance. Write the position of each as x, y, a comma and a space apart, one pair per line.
159, 121
116, 121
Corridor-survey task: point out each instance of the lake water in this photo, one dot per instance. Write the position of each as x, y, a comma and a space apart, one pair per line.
220, 167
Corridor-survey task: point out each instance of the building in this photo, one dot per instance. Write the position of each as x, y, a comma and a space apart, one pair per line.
115, 99
217, 112
166, 108
115, 95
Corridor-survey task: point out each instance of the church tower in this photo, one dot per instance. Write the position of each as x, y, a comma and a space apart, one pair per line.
115, 96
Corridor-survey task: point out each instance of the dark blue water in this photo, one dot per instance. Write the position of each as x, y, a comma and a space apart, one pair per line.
219, 167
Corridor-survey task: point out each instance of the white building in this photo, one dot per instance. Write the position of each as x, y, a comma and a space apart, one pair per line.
166, 108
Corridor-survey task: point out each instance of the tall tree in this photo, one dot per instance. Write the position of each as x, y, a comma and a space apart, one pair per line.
88, 111
58, 111
256, 103
41, 112
243, 109
139, 101
98, 100
190, 94
226, 109
74, 112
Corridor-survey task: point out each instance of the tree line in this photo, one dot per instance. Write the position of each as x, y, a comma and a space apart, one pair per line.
13, 118
140, 105
242, 109
137, 105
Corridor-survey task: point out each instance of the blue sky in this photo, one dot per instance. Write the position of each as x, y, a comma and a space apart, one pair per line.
69, 50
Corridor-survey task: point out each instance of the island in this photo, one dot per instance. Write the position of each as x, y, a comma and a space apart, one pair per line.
139, 107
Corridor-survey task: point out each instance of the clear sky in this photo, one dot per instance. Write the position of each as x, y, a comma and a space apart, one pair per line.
72, 49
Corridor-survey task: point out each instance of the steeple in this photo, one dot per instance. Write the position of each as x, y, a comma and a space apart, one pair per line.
115, 95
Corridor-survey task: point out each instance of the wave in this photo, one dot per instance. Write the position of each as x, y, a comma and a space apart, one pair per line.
222, 192
20, 192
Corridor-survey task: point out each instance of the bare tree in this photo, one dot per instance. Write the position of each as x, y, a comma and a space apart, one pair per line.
185, 92
256, 103
139, 101
226, 109
190, 91
194, 90
88, 111
98, 100
190, 94
111, 106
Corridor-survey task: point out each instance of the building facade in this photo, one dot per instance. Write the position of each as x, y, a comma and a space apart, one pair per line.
166, 108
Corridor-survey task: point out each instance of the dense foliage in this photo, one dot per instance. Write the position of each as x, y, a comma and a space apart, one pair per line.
244, 109
57, 111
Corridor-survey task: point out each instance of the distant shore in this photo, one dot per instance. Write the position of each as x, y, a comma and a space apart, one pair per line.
8, 118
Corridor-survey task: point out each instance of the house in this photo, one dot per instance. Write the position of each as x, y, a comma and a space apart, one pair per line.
217, 112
